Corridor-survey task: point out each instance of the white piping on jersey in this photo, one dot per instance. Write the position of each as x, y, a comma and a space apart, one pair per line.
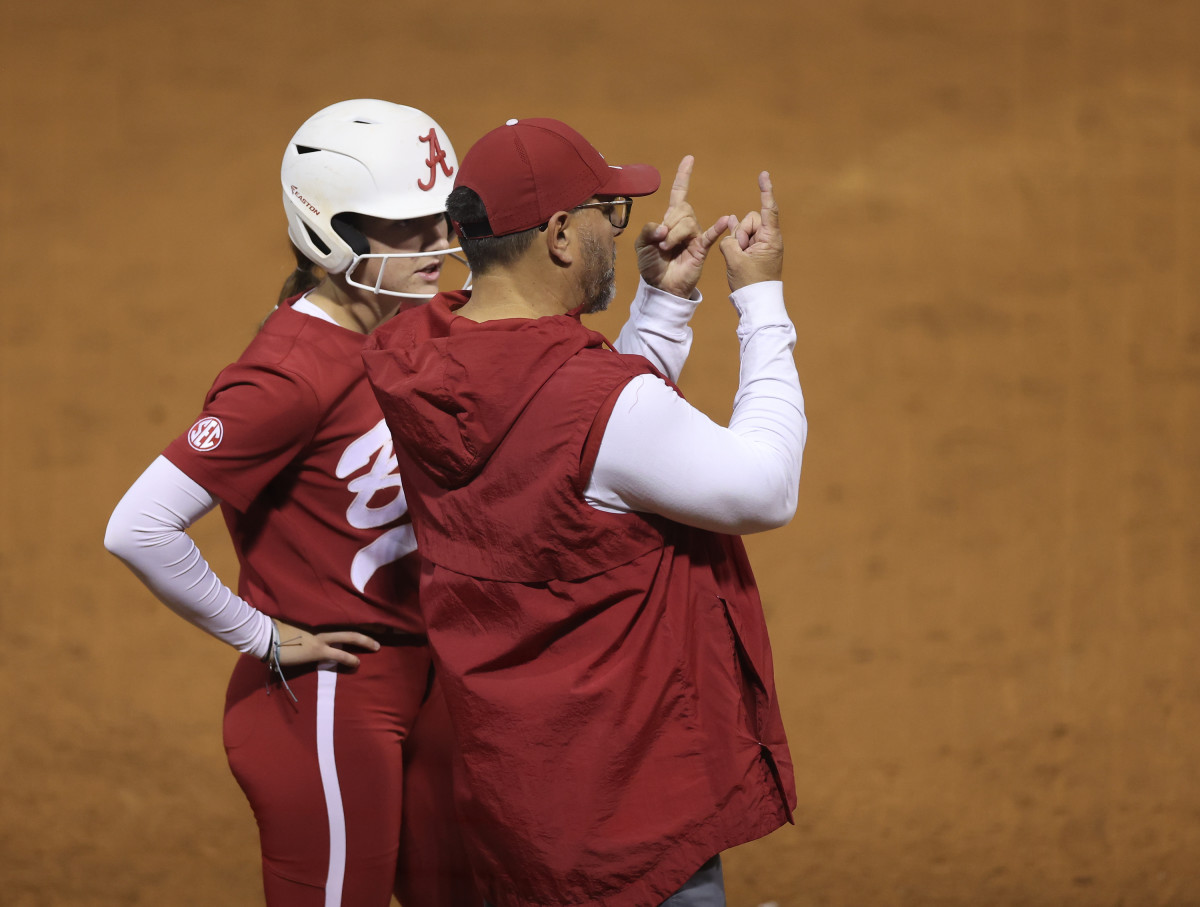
308, 307
326, 688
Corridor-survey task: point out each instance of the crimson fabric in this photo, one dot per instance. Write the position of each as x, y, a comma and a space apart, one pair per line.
272, 745
312, 499
526, 170
307, 480
608, 675
434, 868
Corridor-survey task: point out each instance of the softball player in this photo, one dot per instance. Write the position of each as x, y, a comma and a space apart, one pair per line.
292, 445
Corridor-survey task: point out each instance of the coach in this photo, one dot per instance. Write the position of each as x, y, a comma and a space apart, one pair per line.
591, 610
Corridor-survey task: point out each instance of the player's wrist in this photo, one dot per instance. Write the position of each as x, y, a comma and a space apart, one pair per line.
271, 656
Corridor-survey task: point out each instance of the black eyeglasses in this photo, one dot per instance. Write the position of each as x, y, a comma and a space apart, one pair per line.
617, 210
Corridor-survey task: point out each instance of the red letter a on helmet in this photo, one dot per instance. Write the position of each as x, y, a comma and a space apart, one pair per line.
437, 157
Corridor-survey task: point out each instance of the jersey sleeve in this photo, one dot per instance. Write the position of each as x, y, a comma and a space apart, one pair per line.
255, 421
148, 531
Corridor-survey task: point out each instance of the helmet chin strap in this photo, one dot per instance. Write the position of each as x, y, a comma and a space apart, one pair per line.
384, 257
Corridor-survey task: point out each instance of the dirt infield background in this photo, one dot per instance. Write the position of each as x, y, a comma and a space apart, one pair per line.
985, 614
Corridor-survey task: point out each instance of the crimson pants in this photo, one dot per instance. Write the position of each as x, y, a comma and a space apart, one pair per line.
325, 776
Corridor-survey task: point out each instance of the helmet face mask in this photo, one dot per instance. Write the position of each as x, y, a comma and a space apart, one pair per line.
363, 157
383, 258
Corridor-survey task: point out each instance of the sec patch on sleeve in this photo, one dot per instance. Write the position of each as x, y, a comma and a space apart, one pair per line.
206, 434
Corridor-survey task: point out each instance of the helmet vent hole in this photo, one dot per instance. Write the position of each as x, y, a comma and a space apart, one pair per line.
316, 240
305, 149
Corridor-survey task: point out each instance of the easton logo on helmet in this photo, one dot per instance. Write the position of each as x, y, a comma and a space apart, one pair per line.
436, 156
305, 202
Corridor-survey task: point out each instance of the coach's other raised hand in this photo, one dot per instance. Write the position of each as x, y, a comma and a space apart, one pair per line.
754, 250
671, 255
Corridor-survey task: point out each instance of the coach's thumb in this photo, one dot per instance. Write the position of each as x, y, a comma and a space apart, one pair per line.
730, 247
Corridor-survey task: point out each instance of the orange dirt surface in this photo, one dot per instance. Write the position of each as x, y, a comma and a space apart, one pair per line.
986, 612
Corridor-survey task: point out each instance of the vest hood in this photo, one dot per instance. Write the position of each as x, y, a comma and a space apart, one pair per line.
451, 388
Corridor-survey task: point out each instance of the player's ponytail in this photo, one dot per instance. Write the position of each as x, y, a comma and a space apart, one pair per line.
306, 276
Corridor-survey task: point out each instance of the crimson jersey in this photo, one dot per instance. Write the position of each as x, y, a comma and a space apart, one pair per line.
293, 442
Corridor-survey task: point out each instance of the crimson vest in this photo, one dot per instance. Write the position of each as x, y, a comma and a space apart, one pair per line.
608, 675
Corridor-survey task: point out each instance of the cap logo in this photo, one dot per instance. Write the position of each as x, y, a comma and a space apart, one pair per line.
437, 157
206, 434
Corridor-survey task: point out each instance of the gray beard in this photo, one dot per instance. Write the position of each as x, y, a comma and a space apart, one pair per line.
602, 292
600, 286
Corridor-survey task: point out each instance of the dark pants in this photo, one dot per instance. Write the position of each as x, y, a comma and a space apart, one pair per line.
705, 889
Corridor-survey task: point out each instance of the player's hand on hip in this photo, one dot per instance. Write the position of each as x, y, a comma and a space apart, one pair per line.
754, 249
671, 255
297, 646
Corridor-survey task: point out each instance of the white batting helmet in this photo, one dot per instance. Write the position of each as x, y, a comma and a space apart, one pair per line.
364, 157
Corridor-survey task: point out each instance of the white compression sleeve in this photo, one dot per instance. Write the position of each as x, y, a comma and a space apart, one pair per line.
661, 455
658, 328
147, 531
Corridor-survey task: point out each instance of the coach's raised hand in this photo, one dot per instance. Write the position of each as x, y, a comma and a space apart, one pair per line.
671, 255
754, 250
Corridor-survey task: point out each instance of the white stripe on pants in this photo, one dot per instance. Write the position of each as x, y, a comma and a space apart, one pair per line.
326, 688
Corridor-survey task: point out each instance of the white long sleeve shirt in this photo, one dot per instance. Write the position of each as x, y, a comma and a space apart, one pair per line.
737, 479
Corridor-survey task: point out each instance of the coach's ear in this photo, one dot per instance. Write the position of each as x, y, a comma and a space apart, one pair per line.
559, 240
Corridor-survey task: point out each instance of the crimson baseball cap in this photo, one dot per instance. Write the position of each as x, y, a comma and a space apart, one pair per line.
526, 170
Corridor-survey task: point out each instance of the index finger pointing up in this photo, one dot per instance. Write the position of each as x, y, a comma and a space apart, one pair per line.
683, 176
770, 210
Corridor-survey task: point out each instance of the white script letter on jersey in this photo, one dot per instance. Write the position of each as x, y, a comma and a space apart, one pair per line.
374, 449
